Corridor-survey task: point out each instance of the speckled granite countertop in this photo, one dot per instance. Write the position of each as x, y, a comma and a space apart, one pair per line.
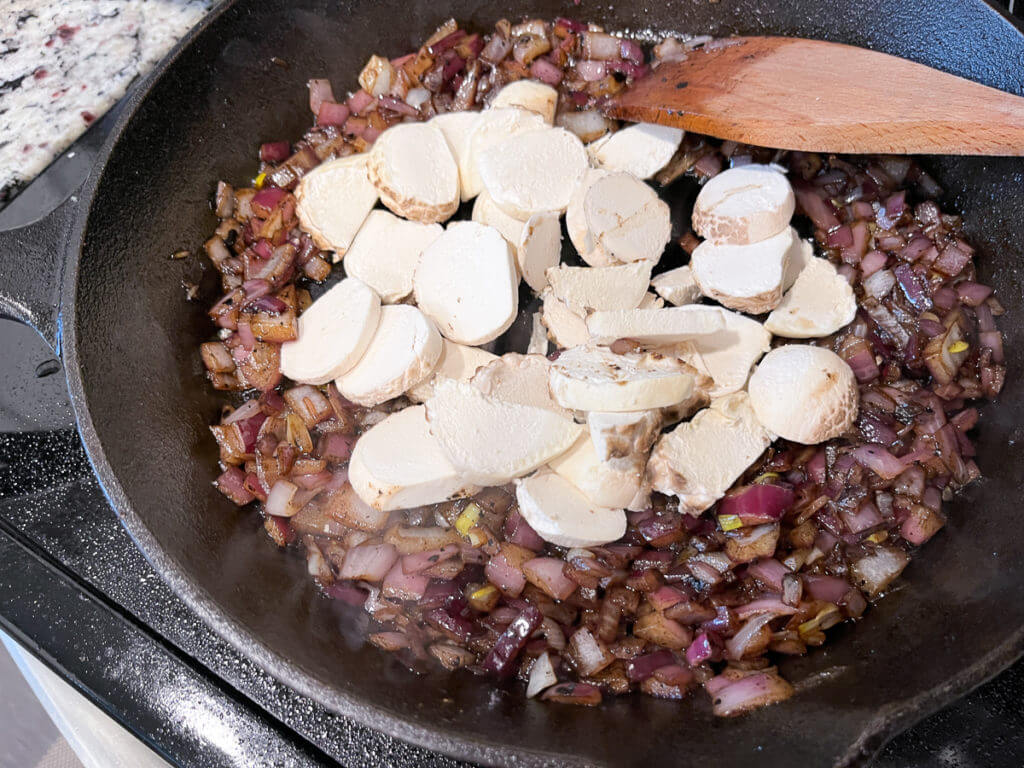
63, 63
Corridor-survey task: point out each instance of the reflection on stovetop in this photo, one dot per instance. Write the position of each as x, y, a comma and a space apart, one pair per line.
50, 500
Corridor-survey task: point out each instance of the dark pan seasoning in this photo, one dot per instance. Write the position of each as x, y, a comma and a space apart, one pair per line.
805, 541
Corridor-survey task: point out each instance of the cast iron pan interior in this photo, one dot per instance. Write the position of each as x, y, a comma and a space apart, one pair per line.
144, 405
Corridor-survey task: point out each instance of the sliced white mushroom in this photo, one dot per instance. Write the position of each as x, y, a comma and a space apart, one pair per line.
398, 464
677, 286
456, 127
798, 259
492, 441
617, 435
593, 378
655, 326
333, 333
729, 355
486, 212
614, 483
651, 301
747, 278
492, 127
517, 378
819, 304
641, 149
700, 459
626, 218
533, 172
565, 327
333, 200
584, 289
458, 362
539, 248
385, 253
576, 221
415, 172
538, 343
562, 515
402, 353
804, 393
528, 94
744, 204
466, 282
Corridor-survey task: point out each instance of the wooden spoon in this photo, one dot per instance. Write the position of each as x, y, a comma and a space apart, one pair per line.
816, 96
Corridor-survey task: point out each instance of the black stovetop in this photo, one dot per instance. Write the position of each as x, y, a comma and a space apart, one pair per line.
75, 590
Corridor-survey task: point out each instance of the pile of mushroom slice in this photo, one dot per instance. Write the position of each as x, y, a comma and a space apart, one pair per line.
636, 396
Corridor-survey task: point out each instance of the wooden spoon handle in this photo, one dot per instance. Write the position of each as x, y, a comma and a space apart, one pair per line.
817, 96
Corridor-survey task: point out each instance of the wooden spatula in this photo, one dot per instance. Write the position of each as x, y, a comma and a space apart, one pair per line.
811, 95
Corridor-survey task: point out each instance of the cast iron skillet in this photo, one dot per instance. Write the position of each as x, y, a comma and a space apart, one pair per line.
94, 277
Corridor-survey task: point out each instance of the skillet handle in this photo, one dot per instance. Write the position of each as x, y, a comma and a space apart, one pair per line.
32, 261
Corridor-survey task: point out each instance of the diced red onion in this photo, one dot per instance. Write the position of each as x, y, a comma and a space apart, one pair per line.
319, 91
768, 571
275, 151
399, 584
841, 237
592, 71
267, 198
420, 561
368, 562
545, 71
600, 46
994, 341
738, 646
630, 51
752, 692
816, 207
665, 597
231, 483
335, 447
879, 284
973, 294
952, 260
831, 589
766, 605
518, 531
332, 113
642, 667
501, 658
879, 460
700, 649
913, 286
346, 592
921, 524
279, 500
548, 574
398, 106
758, 503
505, 576
359, 101
445, 619
865, 517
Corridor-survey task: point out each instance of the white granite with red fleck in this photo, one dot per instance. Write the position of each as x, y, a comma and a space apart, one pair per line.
63, 63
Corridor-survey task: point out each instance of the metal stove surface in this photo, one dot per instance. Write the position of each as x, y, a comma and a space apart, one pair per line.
75, 590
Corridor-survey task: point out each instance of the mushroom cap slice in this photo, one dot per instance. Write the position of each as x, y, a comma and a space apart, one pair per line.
744, 205
804, 393
820, 302
417, 474
492, 441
